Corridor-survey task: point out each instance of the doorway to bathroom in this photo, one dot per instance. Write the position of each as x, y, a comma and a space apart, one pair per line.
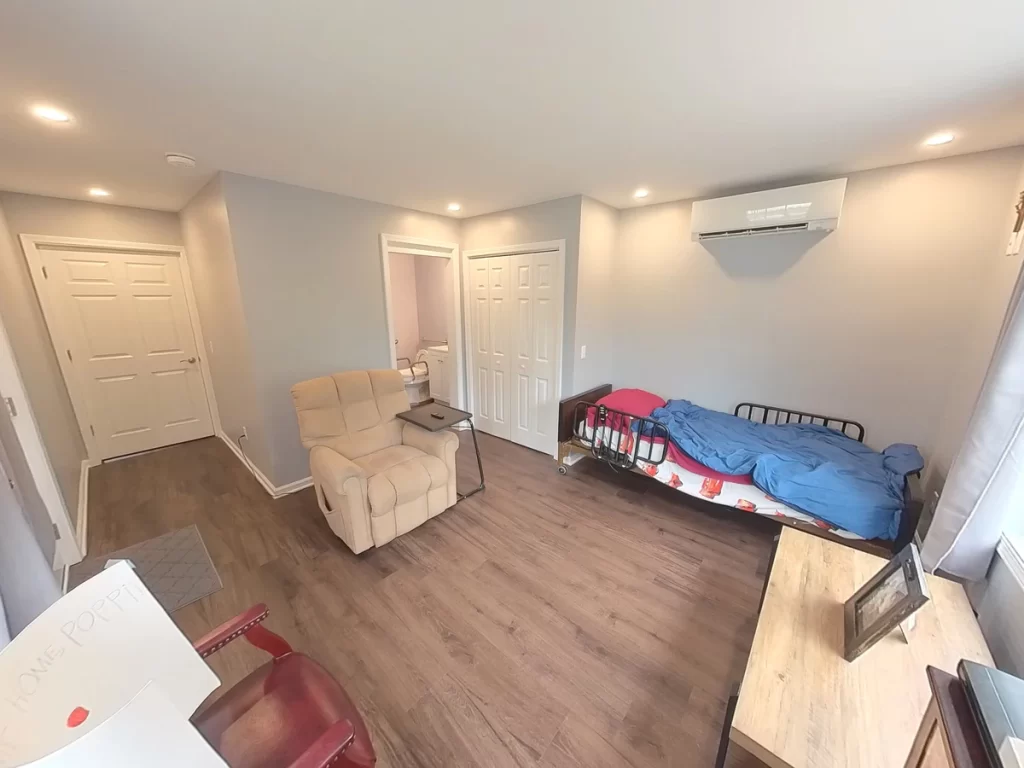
424, 315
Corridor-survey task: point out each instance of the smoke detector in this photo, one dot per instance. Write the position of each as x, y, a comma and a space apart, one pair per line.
180, 161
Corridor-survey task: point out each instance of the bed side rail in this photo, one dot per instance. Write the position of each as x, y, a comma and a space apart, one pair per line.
619, 438
771, 414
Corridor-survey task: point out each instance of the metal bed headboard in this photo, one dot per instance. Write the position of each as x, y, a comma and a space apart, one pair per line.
769, 414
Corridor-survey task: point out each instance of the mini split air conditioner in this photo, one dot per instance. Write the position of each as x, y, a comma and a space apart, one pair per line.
804, 208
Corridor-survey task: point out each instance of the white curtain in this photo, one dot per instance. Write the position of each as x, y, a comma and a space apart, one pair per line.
986, 482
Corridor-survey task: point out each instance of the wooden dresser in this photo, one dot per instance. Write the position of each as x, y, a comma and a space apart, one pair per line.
801, 705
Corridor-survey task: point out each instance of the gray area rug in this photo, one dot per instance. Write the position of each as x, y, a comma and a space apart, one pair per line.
175, 567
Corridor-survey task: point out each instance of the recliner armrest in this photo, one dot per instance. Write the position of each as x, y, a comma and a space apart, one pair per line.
432, 443
333, 469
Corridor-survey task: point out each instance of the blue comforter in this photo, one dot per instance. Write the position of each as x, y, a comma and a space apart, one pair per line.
811, 468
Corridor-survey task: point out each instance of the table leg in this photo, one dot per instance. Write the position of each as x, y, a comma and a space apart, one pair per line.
479, 465
723, 744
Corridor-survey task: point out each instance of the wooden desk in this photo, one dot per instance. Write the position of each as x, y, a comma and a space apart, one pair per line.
801, 704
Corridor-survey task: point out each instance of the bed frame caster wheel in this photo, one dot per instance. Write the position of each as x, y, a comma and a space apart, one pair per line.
562, 469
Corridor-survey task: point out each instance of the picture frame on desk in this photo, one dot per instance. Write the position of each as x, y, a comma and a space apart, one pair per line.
889, 598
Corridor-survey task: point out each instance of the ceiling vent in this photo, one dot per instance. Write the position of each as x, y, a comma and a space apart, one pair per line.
180, 161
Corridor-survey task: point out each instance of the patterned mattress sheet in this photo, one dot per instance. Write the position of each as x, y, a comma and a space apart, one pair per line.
741, 495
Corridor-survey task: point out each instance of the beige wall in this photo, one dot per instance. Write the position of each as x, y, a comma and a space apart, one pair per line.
870, 322
312, 287
23, 317
404, 305
207, 235
553, 220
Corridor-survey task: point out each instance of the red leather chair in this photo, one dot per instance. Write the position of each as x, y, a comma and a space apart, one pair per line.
289, 713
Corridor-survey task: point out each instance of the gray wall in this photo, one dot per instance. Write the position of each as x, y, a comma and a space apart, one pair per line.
312, 287
23, 317
598, 310
27, 583
32, 214
870, 322
553, 220
211, 256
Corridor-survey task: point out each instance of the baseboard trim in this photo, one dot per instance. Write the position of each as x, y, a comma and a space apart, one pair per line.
298, 485
275, 491
82, 521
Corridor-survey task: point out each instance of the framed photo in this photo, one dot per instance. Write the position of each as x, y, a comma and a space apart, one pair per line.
889, 598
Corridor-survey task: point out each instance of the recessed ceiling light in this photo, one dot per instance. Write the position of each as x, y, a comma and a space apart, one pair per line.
98, 192
54, 115
939, 138
179, 160
454, 207
641, 193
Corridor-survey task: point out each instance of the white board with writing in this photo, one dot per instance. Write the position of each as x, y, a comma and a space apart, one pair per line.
149, 731
85, 658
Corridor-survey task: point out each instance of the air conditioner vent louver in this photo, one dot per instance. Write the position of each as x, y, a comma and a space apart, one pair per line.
804, 208
776, 230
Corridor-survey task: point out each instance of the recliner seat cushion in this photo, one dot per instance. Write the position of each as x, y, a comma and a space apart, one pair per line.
402, 481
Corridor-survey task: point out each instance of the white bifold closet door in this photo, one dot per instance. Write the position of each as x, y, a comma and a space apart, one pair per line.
490, 296
517, 336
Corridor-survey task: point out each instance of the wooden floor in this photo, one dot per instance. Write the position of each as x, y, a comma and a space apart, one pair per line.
589, 620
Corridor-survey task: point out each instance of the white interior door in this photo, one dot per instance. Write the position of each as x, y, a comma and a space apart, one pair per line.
537, 296
121, 322
490, 297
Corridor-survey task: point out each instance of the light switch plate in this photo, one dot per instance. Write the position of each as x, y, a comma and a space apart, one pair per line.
1016, 240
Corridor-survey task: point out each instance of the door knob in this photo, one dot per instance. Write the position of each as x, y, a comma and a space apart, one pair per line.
191, 360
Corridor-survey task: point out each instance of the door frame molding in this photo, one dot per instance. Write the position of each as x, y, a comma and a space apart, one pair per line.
544, 246
418, 246
67, 550
32, 244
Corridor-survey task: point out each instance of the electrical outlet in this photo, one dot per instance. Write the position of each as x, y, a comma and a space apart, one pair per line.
583, 352
245, 434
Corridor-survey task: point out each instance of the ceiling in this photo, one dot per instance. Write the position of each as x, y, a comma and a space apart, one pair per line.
496, 105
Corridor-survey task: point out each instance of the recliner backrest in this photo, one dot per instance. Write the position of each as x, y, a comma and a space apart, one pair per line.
352, 412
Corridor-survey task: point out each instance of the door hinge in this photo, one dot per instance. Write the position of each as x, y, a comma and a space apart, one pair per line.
93, 430
56, 531
46, 274
11, 407
69, 355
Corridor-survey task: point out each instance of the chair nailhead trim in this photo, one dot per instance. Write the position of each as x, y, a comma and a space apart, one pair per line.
234, 635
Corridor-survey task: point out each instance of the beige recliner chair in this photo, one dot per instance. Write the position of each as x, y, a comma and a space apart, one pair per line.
376, 476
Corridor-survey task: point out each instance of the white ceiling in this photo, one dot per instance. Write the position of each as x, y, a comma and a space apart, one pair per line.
497, 104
